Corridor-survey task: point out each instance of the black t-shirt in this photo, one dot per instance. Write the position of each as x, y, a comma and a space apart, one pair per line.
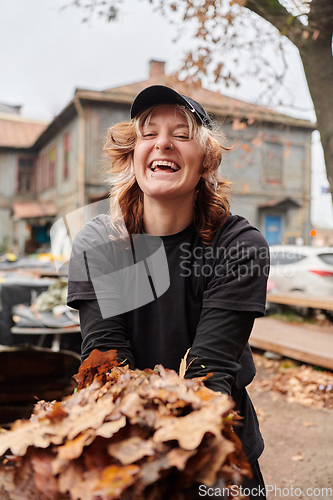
152, 298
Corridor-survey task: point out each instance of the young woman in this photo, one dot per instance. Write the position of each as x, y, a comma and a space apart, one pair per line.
170, 268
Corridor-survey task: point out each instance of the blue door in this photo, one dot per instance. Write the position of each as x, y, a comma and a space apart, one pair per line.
273, 229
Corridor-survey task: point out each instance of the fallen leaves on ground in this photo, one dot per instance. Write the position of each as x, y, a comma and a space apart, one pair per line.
297, 458
125, 435
298, 384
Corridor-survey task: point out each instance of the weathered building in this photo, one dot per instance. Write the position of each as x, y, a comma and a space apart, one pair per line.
18, 163
270, 168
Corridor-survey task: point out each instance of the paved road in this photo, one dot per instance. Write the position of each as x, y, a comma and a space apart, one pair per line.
297, 457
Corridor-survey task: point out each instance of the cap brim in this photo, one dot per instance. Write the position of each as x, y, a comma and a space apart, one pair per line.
154, 96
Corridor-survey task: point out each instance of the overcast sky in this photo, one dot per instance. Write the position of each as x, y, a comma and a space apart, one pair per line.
46, 52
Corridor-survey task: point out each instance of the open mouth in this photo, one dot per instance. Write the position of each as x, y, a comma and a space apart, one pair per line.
164, 166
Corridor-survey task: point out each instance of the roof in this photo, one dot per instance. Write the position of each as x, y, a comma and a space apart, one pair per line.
19, 132
8, 108
27, 210
282, 203
213, 102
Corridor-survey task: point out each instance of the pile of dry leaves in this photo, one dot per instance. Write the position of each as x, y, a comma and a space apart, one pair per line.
123, 435
298, 384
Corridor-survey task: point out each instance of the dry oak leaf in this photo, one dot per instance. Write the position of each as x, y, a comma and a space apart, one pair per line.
190, 429
126, 410
44, 479
132, 449
25, 433
89, 416
71, 450
107, 484
182, 366
130, 405
179, 457
150, 471
21, 485
42, 433
96, 365
297, 457
220, 449
108, 429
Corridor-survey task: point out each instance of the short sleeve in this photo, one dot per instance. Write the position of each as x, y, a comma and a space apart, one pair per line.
240, 271
95, 263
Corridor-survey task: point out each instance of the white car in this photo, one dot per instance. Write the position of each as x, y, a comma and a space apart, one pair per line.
302, 268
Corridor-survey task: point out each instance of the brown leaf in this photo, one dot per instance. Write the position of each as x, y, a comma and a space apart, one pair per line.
179, 457
115, 479
237, 124
315, 35
150, 471
247, 148
286, 153
43, 475
134, 416
108, 429
130, 450
182, 367
88, 417
189, 430
220, 449
57, 412
258, 140
71, 450
95, 366
297, 457
131, 404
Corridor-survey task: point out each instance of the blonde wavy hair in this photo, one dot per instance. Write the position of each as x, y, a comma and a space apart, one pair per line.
211, 205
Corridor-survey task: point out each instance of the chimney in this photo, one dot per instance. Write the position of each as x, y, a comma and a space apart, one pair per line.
156, 68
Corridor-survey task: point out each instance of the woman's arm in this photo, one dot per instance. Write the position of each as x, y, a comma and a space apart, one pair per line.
234, 296
103, 334
220, 340
93, 286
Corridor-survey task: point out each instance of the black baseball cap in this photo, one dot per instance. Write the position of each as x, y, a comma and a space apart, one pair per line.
159, 94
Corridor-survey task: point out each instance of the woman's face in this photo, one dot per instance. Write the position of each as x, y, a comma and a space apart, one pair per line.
167, 163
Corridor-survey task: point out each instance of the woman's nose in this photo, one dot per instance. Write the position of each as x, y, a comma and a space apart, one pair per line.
163, 143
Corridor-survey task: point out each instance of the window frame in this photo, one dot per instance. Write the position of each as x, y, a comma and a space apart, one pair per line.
266, 160
32, 174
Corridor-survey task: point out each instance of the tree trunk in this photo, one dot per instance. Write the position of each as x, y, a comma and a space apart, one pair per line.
315, 50
317, 61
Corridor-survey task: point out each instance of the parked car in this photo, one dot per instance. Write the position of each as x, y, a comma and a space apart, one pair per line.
302, 268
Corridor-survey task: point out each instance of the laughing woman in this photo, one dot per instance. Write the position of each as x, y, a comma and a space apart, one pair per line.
166, 188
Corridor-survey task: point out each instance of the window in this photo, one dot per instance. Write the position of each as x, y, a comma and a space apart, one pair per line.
327, 258
52, 158
285, 258
273, 162
47, 166
43, 171
67, 138
26, 174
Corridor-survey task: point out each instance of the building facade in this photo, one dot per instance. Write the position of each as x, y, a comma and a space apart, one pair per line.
61, 167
